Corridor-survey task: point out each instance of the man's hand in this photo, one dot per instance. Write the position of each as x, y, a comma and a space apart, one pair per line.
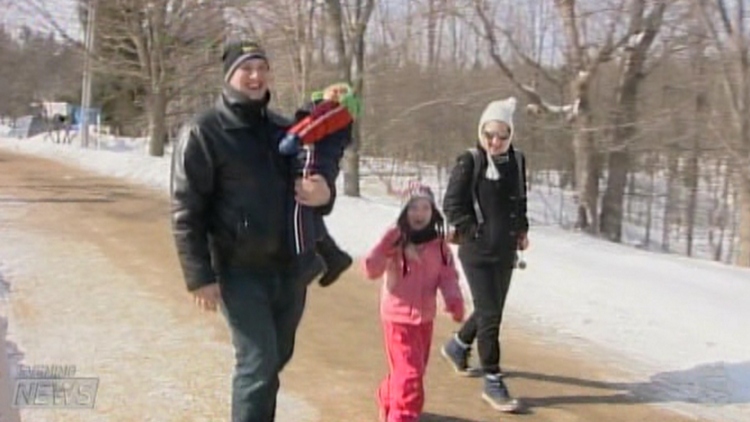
208, 297
312, 191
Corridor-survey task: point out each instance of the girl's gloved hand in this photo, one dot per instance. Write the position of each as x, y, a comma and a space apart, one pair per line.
456, 309
391, 241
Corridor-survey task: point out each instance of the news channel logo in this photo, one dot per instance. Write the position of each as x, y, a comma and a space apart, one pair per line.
52, 387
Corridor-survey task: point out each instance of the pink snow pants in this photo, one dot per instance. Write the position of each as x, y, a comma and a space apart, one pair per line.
401, 394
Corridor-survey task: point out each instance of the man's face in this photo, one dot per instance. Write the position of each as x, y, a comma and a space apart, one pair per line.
252, 78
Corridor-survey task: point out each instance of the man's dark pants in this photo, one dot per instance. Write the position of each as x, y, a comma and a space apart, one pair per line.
263, 311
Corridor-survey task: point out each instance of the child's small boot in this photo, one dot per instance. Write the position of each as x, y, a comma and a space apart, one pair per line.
336, 260
496, 394
457, 354
308, 267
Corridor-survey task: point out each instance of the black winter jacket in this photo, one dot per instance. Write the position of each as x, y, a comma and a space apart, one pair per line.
503, 204
230, 191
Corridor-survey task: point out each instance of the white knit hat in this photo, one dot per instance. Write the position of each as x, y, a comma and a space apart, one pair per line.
501, 111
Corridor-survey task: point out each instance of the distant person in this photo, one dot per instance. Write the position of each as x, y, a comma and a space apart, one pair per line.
230, 191
485, 202
415, 262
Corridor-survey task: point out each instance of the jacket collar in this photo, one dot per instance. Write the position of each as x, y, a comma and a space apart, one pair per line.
237, 112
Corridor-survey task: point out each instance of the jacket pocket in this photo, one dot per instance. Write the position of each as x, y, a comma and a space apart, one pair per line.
254, 238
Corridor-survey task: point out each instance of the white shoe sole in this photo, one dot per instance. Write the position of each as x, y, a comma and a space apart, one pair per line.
510, 407
469, 373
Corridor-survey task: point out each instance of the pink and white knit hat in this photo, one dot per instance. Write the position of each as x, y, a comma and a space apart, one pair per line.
416, 189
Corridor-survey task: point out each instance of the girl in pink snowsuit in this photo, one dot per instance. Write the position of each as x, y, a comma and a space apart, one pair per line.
415, 262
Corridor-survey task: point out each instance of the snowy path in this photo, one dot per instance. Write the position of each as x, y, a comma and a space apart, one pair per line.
678, 325
94, 283
82, 295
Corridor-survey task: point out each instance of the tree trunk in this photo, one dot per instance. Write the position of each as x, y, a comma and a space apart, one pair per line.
431, 29
363, 12
157, 128
587, 176
670, 206
626, 114
322, 37
336, 22
693, 179
693, 167
619, 156
650, 203
630, 198
612, 201
351, 166
743, 256
723, 220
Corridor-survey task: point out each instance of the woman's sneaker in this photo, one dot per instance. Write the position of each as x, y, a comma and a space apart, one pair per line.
496, 394
457, 354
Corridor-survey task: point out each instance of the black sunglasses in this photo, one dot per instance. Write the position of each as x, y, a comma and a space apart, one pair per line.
498, 135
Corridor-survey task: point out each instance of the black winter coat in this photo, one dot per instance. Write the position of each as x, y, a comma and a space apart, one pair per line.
503, 204
230, 191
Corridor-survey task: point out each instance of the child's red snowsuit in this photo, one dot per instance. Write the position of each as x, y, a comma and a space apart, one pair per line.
326, 118
408, 305
326, 128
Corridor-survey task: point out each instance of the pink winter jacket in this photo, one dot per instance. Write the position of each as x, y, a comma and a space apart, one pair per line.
412, 298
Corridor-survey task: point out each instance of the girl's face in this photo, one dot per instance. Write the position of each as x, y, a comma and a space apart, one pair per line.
419, 213
496, 137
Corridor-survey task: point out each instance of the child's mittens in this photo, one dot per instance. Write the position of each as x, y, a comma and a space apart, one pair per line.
290, 144
352, 103
390, 242
455, 307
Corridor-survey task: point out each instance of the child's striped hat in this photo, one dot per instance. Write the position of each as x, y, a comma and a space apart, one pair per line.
416, 189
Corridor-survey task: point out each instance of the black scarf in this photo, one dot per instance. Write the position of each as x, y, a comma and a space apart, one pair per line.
421, 236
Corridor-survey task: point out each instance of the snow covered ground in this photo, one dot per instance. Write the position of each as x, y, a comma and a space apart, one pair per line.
679, 325
551, 205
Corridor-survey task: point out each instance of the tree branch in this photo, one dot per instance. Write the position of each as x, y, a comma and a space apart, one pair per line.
529, 61
537, 103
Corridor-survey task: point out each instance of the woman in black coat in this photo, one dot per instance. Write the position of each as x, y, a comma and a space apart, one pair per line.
490, 238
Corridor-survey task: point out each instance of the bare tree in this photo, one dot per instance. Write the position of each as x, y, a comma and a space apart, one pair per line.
162, 44
643, 29
582, 63
700, 114
350, 52
289, 28
727, 23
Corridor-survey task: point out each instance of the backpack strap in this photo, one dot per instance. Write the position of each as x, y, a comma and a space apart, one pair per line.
443, 253
521, 175
475, 178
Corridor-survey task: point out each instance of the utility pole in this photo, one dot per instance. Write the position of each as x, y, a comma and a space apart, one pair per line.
86, 94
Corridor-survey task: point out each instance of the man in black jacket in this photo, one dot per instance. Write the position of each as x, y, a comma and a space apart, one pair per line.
489, 247
230, 191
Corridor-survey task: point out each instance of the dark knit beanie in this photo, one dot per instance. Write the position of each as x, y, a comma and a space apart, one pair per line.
237, 52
